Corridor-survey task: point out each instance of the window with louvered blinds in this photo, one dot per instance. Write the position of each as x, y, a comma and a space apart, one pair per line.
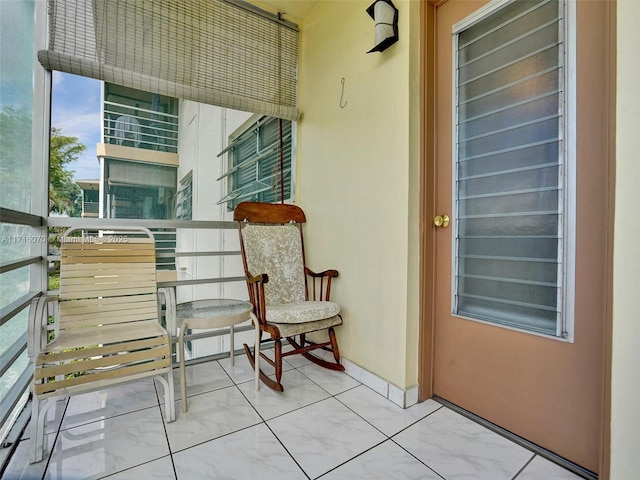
257, 164
509, 167
211, 51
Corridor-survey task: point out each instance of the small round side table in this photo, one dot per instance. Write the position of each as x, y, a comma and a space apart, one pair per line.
216, 313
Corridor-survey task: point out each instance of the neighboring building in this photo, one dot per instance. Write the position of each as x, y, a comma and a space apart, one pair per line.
90, 198
139, 161
138, 155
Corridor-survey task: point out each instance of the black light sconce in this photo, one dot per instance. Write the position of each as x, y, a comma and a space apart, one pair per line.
385, 15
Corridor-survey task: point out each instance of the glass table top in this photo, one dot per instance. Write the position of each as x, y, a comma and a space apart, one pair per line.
212, 308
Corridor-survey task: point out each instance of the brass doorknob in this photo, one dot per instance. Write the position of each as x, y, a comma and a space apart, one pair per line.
442, 221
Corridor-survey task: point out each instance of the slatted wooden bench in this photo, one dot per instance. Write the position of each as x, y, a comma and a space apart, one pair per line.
106, 328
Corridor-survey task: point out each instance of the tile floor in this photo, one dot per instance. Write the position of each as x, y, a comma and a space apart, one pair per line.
325, 425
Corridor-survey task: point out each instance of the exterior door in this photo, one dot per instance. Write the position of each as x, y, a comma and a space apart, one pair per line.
520, 268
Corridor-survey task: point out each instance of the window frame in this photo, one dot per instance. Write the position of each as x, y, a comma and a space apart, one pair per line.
256, 122
184, 198
565, 325
34, 218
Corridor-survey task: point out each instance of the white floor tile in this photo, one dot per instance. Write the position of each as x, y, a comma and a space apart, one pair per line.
385, 462
299, 391
242, 372
382, 413
19, 467
97, 449
324, 435
541, 468
102, 404
296, 361
457, 448
201, 378
161, 469
55, 415
210, 415
326, 355
332, 381
119, 433
253, 453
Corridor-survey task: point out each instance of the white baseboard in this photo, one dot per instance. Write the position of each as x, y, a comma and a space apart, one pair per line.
402, 398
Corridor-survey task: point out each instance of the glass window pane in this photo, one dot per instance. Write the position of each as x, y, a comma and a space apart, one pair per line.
13, 330
473, 104
260, 178
16, 103
518, 59
538, 14
9, 379
508, 185
17, 37
14, 245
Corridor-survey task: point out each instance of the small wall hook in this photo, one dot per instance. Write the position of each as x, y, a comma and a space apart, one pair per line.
342, 105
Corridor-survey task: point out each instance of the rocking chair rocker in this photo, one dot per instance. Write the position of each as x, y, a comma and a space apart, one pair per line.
288, 299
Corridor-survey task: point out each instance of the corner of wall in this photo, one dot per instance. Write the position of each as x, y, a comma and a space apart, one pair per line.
402, 397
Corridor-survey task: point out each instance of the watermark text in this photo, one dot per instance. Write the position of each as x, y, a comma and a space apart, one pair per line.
96, 239
24, 239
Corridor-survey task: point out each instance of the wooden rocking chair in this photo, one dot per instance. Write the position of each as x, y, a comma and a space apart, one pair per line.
289, 300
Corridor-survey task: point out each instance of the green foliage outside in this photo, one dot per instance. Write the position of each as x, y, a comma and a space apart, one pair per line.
15, 159
65, 196
54, 282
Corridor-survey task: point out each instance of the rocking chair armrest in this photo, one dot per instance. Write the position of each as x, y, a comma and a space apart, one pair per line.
319, 287
261, 278
38, 321
326, 273
256, 285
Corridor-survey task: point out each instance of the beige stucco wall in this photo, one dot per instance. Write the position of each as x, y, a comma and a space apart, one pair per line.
358, 179
625, 383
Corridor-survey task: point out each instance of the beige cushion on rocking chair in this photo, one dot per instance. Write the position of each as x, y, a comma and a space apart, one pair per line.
299, 312
277, 251
293, 329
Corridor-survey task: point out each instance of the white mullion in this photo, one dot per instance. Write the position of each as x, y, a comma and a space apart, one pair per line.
455, 244
40, 133
569, 178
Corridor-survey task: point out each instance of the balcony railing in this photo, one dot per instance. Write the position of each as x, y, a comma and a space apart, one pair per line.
140, 128
90, 209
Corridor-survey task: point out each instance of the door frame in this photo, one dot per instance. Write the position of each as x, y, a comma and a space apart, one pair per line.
427, 279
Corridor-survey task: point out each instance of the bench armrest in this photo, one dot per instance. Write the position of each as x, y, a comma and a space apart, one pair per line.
38, 326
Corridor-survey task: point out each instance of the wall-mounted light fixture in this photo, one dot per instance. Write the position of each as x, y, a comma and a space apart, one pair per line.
385, 15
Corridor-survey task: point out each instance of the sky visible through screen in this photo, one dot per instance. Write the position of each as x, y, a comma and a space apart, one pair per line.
75, 109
